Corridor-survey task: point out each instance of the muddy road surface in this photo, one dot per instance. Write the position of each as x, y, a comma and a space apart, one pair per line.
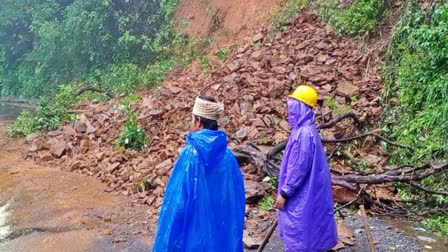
46, 209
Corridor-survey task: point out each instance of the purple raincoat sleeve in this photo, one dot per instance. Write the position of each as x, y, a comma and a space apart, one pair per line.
298, 166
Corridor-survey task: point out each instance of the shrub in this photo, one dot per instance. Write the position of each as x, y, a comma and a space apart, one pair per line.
132, 137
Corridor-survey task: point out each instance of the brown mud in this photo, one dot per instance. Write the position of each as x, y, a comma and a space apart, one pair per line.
46, 209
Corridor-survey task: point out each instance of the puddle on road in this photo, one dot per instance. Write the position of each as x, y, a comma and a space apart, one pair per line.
10, 111
430, 241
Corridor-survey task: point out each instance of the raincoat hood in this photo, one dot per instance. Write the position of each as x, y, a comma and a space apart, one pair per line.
299, 114
210, 144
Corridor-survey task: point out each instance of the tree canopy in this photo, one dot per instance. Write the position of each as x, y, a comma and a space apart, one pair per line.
45, 43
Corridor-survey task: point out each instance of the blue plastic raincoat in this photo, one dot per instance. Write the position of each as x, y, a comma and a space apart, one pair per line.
204, 204
307, 221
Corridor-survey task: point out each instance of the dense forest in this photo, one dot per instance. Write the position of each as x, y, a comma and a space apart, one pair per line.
46, 43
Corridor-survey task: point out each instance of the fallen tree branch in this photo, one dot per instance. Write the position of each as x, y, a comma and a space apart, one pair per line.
268, 236
350, 202
387, 177
418, 186
367, 228
336, 181
93, 89
277, 149
346, 140
392, 143
340, 118
281, 146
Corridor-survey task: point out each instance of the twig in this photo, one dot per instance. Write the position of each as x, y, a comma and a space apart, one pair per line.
427, 19
346, 140
338, 119
206, 88
367, 228
268, 236
253, 146
94, 89
368, 66
392, 143
277, 149
114, 124
281, 146
151, 140
350, 202
401, 167
416, 185
333, 152
387, 177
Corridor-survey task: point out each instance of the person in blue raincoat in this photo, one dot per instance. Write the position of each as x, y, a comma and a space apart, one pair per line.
305, 201
204, 204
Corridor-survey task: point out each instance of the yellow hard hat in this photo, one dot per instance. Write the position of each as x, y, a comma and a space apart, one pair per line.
305, 94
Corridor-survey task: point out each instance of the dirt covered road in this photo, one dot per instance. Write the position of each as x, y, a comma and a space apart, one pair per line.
46, 209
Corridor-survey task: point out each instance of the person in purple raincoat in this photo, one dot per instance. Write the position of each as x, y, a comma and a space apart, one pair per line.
305, 201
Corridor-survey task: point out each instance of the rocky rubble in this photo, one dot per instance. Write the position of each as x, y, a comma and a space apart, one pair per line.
253, 84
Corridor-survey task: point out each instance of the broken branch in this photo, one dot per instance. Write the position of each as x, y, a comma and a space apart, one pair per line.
338, 119
367, 228
418, 186
268, 236
392, 143
281, 146
94, 89
350, 202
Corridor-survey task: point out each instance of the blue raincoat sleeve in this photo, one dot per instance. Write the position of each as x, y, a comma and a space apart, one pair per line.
298, 165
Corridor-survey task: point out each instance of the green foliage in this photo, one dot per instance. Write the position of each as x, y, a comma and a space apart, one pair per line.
416, 78
205, 65
24, 125
336, 108
273, 182
266, 203
132, 97
357, 17
122, 78
281, 17
143, 184
132, 137
332, 104
184, 50
438, 224
222, 54
258, 44
46, 43
49, 113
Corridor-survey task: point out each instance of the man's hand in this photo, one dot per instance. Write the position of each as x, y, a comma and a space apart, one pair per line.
280, 202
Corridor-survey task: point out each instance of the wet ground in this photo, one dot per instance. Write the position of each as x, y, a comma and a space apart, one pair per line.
45, 209
9, 111
388, 235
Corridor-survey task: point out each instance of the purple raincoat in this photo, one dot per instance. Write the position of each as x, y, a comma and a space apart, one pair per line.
307, 221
